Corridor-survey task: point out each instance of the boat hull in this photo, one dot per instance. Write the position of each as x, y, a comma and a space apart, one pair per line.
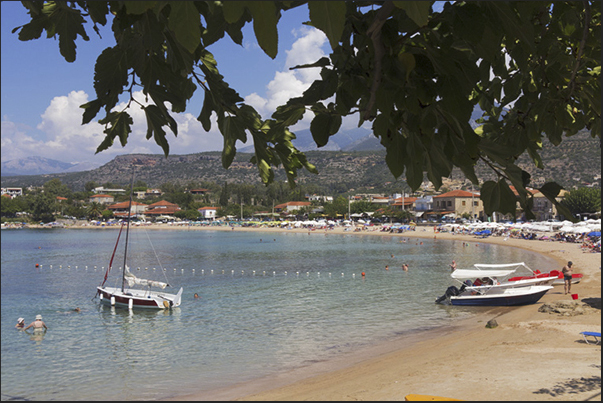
138, 298
555, 275
503, 299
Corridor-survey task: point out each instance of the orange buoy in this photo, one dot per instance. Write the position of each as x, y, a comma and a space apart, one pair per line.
37, 265
362, 274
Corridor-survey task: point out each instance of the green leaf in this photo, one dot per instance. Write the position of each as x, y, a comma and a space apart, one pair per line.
232, 130
117, 125
329, 17
68, 24
90, 110
140, 7
438, 164
206, 110
110, 76
185, 22
323, 126
155, 122
322, 62
418, 11
264, 25
289, 114
513, 25
233, 10
408, 62
497, 196
251, 118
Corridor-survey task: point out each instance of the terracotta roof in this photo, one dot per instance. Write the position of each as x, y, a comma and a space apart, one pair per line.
162, 210
293, 203
407, 200
207, 208
101, 196
162, 203
457, 193
125, 205
532, 191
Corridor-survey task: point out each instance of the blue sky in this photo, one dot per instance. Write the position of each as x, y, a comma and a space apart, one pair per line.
41, 92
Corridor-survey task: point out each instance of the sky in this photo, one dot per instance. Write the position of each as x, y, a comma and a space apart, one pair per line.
41, 92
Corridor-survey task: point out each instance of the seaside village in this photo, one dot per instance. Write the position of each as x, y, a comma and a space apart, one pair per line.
456, 211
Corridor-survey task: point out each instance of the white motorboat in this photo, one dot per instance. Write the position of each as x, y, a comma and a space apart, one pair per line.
488, 285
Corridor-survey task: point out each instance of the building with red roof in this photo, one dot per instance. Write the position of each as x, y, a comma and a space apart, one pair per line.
458, 202
162, 207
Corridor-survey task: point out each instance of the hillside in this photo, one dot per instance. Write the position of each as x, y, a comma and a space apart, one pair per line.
576, 160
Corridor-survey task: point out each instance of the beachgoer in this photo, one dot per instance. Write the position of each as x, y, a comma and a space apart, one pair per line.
453, 266
37, 324
77, 309
196, 296
20, 323
567, 277
386, 267
405, 267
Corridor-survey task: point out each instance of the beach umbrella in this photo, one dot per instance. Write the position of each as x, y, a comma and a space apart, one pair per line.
594, 233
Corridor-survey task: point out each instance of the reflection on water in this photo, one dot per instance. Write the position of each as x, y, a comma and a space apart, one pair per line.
263, 307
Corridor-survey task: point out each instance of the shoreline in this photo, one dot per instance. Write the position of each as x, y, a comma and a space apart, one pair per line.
531, 355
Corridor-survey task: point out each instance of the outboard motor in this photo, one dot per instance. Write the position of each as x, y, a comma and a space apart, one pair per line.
450, 291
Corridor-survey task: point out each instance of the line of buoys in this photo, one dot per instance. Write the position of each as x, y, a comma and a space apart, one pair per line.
253, 273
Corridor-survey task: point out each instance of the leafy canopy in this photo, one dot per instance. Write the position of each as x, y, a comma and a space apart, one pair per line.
532, 67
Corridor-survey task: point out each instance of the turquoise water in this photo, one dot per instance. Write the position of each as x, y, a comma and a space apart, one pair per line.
269, 302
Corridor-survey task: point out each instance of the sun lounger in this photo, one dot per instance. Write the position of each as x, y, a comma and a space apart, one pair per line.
595, 335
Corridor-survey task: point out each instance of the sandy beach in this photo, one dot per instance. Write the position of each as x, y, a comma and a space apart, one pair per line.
530, 355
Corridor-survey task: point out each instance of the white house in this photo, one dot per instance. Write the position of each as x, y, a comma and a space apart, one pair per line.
12, 192
208, 213
424, 203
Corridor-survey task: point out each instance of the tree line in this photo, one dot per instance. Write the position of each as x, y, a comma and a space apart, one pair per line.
55, 200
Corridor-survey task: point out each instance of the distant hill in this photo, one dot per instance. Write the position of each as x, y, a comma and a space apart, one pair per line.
346, 140
41, 166
575, 162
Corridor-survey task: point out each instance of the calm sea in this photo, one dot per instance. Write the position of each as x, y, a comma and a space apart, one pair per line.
269, 302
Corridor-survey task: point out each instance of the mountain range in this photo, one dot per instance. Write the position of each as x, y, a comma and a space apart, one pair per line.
358, 163
358, 139
42, 166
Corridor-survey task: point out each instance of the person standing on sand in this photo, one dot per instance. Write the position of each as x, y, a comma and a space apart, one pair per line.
567, 277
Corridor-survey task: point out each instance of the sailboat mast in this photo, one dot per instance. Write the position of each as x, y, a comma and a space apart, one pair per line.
123, 277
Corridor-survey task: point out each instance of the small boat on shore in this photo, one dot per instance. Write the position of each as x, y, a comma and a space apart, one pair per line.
480, 287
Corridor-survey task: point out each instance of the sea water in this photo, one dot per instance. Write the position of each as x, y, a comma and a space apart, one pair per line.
268, 302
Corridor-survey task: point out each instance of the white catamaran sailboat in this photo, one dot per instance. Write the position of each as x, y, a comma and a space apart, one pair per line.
142, 297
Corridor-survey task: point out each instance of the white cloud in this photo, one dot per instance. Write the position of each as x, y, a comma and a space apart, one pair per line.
16, 143
66, 139
288, 83
61, 136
